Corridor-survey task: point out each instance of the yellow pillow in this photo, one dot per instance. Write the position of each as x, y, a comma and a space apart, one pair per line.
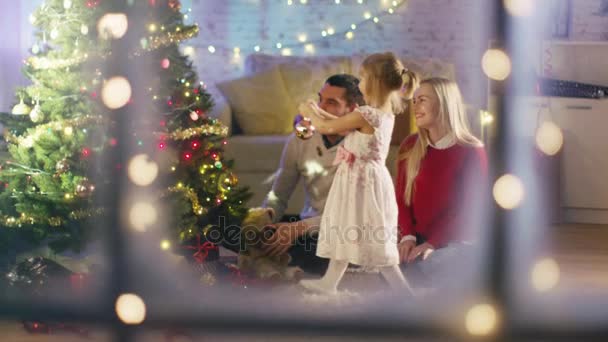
304, 76
260, 103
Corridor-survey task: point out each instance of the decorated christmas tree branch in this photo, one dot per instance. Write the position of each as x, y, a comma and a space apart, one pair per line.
148, 44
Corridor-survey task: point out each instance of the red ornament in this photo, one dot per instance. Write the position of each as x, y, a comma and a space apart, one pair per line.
86, 152
170, 103
195, 144
161, 145
113, 142
163, 123
92, 3
195, 90
165, 63
187, 155
174, 5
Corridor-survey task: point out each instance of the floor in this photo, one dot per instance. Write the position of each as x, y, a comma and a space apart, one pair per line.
581, 251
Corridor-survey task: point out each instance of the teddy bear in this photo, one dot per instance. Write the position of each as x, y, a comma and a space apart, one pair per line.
254, 232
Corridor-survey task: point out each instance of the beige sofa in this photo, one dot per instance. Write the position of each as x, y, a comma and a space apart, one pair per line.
259, 109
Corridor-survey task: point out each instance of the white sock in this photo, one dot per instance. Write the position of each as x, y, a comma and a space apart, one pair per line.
395, 278
329, 282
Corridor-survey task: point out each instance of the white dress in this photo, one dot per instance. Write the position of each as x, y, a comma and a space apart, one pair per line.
359, 222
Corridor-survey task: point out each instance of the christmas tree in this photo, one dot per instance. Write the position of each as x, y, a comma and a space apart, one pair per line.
60, 130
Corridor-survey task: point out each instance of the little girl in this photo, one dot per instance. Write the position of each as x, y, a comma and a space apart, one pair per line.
359, 222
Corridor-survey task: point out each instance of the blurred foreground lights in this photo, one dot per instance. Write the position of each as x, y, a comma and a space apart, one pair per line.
545, 275
142, 170
116, 92
165, 245
309, 48
520, 8
508, 191
112, 25
549, 138
486, 118
130, 309
496, 64
142, 215
481, 320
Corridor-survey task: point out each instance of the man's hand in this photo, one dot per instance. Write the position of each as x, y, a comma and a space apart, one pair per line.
405, 248
284, 236
422, 250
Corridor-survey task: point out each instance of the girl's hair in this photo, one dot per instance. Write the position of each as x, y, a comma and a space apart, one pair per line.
385, 79
452, 115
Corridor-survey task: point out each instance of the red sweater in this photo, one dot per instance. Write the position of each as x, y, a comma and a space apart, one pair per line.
450, 185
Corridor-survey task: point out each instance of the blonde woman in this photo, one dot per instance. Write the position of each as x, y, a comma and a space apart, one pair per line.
441, 174
359, 222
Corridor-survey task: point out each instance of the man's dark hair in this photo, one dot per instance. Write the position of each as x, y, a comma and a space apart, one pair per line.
351, 84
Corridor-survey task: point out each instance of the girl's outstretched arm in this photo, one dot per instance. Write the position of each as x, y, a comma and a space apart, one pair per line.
351, 121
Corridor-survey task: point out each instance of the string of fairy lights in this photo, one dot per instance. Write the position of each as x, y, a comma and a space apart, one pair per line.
309, 42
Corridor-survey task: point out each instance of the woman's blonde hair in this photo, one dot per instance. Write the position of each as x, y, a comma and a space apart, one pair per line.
452, 115
385, 78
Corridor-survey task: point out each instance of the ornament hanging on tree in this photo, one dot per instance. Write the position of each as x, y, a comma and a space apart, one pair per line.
92, 3
194, 116
62, 166
54, 33
175, 5
84, 188
226, 182
21, 109
36, 115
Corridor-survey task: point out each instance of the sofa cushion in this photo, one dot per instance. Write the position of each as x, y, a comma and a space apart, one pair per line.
260, 103
303, 76
255, 153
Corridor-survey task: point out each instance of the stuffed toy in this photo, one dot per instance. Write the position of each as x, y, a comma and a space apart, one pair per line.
255, 231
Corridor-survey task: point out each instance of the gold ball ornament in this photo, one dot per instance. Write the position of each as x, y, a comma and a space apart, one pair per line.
227, 181
62, 166
21, 109
84, 188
